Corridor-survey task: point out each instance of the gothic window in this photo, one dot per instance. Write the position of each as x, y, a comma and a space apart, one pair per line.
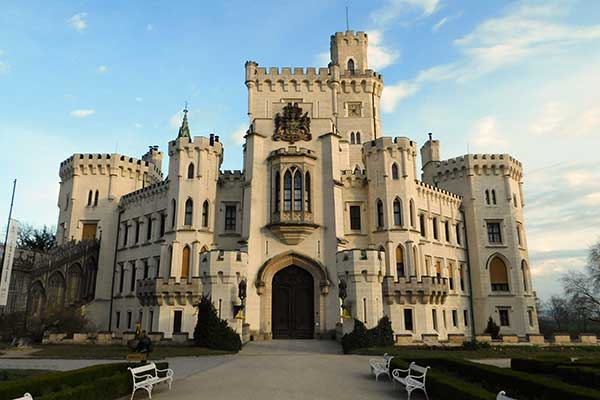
379, 214
230, 214
422, 224
457, 226
357, 137
96, 198
400, 272
397, 212
287, 191
190, 173
351, 66
90, 194
205, 213
493, 197
498, 275
494, 233
173, 212
189, 212
74, 287
355, 218
297, 191
277, 191
185, 262
487, 197
395, 171
307, 198
352, 138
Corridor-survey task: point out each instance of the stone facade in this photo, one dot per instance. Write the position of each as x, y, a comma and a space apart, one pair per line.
320, 189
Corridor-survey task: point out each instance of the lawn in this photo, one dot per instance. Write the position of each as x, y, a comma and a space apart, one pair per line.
118, 352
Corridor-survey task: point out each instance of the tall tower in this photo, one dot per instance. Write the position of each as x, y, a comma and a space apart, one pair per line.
349, 51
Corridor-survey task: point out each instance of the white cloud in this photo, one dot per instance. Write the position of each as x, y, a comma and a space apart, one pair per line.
82, 113
238, 135
439, 24
393, 9
576, 178
378, 55
486, 135
102, 69
393, 94
78, 22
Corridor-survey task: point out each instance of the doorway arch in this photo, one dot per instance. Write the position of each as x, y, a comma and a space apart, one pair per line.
292, 311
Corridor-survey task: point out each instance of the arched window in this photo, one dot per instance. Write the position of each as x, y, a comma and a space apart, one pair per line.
352, 138
379, 214
287, 191
297, 191
397, 212
189, 212
307, 189
357, 137
173, 213
395, 171
74, 284
400, 261
205, 213
351, 66
498, 275
90, 194
277, 191
96, 198
524, 274
185, 262
412, 213
487, 196
191, 171
493, 197
56, 292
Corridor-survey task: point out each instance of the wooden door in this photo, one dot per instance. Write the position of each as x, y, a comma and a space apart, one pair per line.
293, 304
89, 231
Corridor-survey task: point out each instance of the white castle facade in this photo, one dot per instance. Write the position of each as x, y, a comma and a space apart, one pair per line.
323, 199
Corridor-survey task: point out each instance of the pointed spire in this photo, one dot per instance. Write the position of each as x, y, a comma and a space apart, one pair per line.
184, 130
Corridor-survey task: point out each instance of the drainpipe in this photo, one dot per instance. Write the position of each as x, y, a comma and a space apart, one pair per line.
112, 287
470, 280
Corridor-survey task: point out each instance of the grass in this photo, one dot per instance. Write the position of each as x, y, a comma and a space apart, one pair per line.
493, 352
118, 352
11, 374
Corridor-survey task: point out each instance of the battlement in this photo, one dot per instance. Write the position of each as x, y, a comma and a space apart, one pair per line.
231, 175
350, 37
476, 164
101, 164
360, 261
211, 143
215, 263
435, 191
144, 193
387, 143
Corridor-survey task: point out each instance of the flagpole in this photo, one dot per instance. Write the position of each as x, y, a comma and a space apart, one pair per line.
12, 200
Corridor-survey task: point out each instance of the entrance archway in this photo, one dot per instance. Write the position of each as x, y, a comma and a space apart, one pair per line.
293, 304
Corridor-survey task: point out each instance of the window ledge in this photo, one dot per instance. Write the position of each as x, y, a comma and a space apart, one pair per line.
496, 246
230, 234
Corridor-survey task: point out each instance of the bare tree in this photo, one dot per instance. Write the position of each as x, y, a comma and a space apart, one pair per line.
583, 288
557, 308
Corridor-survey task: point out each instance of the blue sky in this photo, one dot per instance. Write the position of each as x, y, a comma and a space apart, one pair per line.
521, 77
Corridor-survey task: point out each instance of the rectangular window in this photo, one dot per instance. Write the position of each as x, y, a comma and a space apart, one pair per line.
128, 319
146, 269
454, 318
494, 234
422, 223
435, 228
137, 231
163, 219
466, 317
461, 272
125, 234
530, 316
355, 218
140, 318
519, 238
408, 319
132, 283
149, 229
230, 212
457, 233
434, 318
121, 279
157, 263
504, 321
177, 321
447, 230
444, 317
118, 320
150, 320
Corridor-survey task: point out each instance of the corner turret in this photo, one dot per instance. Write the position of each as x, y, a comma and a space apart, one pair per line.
349, 51
154, 156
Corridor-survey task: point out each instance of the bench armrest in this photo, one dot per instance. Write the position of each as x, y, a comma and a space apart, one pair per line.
169, 371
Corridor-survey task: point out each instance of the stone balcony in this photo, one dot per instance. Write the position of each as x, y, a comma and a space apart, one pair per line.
292, 227
160, 291
428, 290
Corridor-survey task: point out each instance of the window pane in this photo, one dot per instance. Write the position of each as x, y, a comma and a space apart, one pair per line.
297, 191
355, 217
287, 191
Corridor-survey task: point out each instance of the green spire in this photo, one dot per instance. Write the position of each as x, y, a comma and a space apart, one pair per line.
184, 130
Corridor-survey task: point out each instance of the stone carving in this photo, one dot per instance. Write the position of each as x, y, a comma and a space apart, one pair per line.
291, 125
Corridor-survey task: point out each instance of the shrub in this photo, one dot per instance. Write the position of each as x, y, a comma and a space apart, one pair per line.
476, 346
492, 329
361, 337
213, 332
67, 320
585, 376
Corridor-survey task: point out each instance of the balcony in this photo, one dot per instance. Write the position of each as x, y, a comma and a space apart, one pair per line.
160, 291
292, 227
429, 290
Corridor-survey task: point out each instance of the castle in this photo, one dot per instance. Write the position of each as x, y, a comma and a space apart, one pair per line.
323, 201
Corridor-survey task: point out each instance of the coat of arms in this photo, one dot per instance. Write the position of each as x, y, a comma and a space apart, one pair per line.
291, 125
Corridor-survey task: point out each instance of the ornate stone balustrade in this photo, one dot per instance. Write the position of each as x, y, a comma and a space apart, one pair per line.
159, 291
429, 290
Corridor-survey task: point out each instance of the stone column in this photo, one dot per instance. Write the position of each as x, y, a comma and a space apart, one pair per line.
164, 261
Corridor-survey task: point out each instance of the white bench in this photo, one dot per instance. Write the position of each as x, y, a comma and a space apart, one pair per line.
381, 366
502, 396
414, 378
147, 376
26, 396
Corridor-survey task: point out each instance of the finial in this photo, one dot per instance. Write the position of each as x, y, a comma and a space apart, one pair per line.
184, 130
430, 135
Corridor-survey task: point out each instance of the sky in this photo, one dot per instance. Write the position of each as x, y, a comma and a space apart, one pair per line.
518, 77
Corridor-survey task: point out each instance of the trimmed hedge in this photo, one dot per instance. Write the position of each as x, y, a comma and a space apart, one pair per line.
585, 372
522, 385
545, 365
444, 386
98, 382
361, 337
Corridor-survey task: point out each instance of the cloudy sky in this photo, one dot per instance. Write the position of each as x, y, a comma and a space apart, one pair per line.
521, 77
